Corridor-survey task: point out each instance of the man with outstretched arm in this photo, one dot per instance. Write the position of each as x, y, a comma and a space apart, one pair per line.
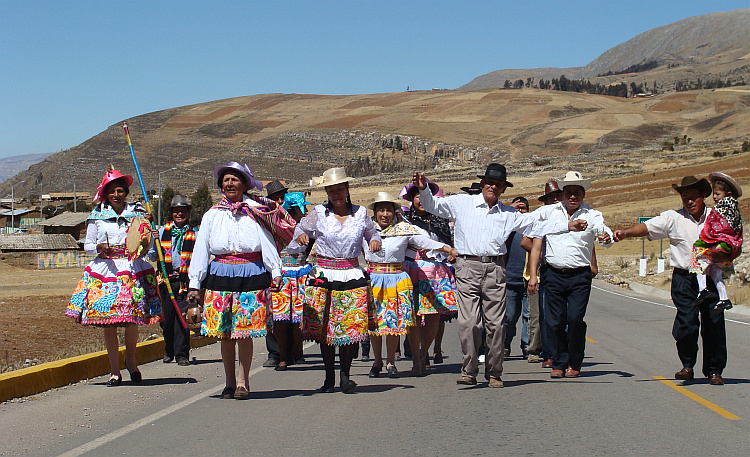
682, 227
482, 226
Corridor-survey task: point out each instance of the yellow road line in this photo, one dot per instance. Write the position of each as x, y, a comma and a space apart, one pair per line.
590, 340
697, 398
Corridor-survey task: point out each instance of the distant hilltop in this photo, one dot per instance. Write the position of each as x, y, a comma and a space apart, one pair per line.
707, 47
11, 166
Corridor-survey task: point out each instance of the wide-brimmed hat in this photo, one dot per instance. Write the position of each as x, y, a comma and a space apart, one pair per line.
434, 188
474, 189
736, 189
384, 197
179, 201
496, 171
691, 182
274, 187
331, 177
295, 199
574, 178
110, 176
243, 170
550, 188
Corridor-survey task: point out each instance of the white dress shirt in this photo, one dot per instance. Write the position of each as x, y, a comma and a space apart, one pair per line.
393, 248
221, 232
572, 249
681, 229
481, 230
333, 239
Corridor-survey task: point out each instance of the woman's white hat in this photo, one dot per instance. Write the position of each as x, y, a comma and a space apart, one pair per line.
330, 177
382, 197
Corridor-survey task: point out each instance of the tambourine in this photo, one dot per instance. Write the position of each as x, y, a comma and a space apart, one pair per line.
139, 237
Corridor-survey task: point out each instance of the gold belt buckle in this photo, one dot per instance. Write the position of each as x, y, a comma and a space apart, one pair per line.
485, 258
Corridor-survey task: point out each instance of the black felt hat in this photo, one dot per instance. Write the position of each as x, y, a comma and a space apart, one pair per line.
274, 187
496, 171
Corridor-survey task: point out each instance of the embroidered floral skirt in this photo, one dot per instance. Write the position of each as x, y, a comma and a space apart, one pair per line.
338, 306
287, 304
116, 292
706, 254
392, 301
236, 302
434, 287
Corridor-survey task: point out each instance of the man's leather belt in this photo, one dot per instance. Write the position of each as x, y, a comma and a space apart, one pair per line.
484, 258
569, 271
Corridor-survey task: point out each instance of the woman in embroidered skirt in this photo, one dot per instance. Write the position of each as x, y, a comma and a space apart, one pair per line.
287, 304
237, 281
391, 285
434, 284
115, 291
338, 300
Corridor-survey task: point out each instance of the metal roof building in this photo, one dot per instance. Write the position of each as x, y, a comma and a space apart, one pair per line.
15, 243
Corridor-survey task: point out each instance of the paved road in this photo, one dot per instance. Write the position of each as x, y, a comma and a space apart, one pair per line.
616, 407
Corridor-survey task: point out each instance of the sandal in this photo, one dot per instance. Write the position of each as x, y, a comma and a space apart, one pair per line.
114, 380
241, 393
392, 371
228, 393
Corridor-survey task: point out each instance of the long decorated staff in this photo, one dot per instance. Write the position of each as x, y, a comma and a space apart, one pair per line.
162, 265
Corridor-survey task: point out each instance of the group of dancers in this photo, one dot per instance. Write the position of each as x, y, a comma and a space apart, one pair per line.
260, 264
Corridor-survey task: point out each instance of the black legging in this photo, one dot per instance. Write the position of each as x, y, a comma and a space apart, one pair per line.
346, 355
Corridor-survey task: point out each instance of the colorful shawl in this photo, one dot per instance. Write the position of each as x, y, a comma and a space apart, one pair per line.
103, 211
724, 225
269, 215
184, 244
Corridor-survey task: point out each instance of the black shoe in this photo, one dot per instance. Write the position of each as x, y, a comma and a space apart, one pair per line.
299, 360
392, 371
326, 389
722, 305
281, 367
375, 371
114, 381
437, 358
183, 362
270, 362
167, 359
135, 376
228, 393
348, 386
703, 296
365, 358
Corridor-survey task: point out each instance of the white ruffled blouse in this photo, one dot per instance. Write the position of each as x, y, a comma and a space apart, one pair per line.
334, 239
221, 232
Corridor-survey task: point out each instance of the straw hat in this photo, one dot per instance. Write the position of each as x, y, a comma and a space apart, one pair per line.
736, 189
382, 197
574, 178
110, 176
331, 177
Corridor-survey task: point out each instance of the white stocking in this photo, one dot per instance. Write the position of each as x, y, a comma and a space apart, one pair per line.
719, 280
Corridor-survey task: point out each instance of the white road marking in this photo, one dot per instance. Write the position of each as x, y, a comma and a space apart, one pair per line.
657, 304
109, 437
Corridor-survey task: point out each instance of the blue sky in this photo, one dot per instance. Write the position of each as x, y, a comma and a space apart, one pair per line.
69, 69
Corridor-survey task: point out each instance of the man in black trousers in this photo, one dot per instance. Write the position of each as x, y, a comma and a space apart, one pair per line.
683, 227
567, 274
177, 241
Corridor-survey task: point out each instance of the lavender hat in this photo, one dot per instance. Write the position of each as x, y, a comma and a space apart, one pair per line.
252, 183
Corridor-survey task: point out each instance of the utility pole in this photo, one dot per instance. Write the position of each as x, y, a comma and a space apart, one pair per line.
75, 198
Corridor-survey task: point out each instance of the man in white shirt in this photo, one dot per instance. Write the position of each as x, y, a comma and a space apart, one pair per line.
567, 274
482, 226
683, 227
